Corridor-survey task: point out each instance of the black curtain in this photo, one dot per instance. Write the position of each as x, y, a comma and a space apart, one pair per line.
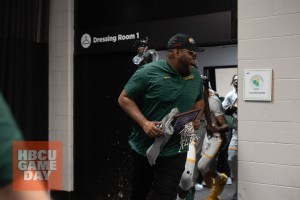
24, 63
102, 129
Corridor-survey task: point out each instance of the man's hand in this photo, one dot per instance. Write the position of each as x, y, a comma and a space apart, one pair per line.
152, 129
230, 110
205, 81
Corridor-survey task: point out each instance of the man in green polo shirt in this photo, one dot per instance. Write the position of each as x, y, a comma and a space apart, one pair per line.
150, 95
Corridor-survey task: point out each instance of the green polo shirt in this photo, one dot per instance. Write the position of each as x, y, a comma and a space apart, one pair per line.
9, 132
157, 89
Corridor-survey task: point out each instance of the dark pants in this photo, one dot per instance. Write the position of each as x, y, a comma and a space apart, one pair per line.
158, 182
222, 164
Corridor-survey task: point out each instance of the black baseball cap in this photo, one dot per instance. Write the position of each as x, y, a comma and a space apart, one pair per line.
183, 41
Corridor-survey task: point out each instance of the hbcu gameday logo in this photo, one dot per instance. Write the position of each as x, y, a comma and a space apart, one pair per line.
37, 165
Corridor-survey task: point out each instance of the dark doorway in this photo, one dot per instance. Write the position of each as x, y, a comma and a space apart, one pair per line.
102, 162
218, 78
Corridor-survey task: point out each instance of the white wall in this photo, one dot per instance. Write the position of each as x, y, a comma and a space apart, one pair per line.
213, 56
223, 80
269, 139
216, 57
61, 48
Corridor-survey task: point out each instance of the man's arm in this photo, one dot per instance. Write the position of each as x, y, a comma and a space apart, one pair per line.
131, 108
229, 107
222, 125
230, 110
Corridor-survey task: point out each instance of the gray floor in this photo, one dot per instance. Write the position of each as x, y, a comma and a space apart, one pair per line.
227, 193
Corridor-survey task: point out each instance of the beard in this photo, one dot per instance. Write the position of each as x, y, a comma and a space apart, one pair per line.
184, 69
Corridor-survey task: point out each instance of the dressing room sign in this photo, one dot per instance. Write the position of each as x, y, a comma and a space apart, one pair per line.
122, 38
37, 165
87, 40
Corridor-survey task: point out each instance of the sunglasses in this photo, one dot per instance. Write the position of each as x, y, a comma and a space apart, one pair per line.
191, 53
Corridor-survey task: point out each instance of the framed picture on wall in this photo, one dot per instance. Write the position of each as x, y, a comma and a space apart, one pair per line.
257, 84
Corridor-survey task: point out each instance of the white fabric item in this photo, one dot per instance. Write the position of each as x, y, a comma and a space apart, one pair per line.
167, 130
198, 186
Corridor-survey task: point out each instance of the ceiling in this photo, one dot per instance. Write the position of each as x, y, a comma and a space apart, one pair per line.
94, 13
